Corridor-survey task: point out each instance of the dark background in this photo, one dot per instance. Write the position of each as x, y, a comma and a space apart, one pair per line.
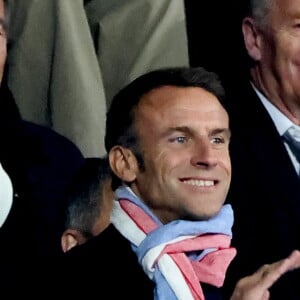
215, 37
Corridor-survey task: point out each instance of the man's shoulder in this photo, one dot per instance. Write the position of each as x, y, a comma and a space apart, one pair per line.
110, 257
47, 136
51, 160
108, 250
45, 144
109, 242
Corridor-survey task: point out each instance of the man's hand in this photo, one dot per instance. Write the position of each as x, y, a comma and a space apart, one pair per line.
255, 287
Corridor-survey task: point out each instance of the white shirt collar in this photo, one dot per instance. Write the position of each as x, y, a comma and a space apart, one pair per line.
281, 122
6, 195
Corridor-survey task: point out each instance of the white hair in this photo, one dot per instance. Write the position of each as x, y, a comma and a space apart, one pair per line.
259, 10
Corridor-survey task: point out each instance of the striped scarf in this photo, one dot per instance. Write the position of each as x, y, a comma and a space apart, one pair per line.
177, 256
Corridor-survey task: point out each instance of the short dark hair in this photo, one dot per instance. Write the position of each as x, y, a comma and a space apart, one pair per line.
85, 195
120, 116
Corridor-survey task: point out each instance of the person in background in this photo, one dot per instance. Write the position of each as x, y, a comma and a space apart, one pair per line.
68, 58
90, 203
40, 165
167, 139
265, 187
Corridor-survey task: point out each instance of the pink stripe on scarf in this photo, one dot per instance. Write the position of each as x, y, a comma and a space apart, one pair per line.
142, 220
210, 269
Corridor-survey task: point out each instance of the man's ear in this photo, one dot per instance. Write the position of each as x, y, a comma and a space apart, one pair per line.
71, 238
123, 163
252, 38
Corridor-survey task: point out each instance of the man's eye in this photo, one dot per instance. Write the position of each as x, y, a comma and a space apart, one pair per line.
180, 139
218, 140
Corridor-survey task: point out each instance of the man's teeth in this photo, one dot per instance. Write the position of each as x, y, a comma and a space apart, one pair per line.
200, 182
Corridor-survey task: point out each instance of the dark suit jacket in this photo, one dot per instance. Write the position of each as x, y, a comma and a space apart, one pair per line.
47, 164
102, 262
41, 164
107, 265
264, 193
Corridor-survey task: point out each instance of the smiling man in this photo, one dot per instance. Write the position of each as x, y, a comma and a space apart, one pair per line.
183, 138
167, 138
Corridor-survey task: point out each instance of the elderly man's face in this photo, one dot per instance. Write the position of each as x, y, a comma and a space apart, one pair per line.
3, 39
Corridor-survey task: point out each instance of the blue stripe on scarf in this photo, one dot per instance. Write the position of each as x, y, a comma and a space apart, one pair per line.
221, 224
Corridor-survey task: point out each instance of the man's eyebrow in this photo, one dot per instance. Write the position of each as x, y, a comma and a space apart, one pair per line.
225, 131
180, 128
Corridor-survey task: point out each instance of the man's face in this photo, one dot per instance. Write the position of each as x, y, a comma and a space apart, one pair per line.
279, 60
184, 138
3, 39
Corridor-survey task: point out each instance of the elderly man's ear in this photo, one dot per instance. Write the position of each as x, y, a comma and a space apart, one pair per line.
71, 238
252, 38
123, 163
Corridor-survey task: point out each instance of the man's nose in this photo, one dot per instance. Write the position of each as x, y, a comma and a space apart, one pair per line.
204, 154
